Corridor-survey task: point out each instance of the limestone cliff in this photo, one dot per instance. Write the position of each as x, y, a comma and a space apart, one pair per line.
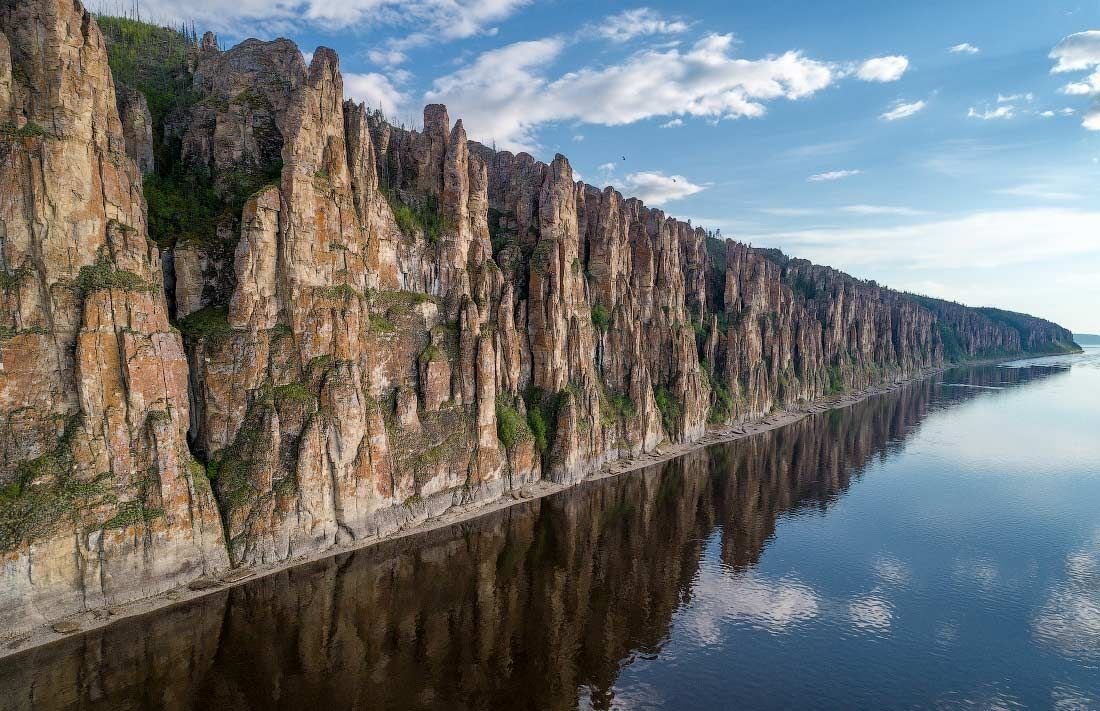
374, 324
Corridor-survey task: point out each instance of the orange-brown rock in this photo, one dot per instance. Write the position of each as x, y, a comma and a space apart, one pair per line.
378, 323
102, 500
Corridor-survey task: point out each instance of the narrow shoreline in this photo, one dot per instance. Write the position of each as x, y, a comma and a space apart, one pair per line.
89, 621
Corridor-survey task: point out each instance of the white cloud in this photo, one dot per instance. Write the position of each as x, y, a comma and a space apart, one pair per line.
982, 240
1038, 191
606, 168
1002, 99
656, 188
387, 57
964, 48
674, 123
1006, 111
875, 210
578, 138
1077, 53
832, 175
375, 90
883, 69
1047, 114
506, 93
640, 22
871, 613
1092, 119
901, 111
1069, 620
447, 19
764, 603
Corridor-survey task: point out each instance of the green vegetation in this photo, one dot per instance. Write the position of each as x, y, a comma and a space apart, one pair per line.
7, 333
511, 427
339, 291
185, 202
46, 493
805, 287
424, 217
29, 130
836, 380
381, 325
542, 415
953, 351
601, 319
540, 257
615, 406
296, 393
131, 513
670, 408
152, 60
722, 406
104, 275
211, 323
431, 354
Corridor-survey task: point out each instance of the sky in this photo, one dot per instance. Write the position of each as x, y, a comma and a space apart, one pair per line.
944, 147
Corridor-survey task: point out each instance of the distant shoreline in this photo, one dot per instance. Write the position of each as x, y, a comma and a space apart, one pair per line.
93, 620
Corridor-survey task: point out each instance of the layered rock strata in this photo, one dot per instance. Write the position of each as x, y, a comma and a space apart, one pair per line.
374, 324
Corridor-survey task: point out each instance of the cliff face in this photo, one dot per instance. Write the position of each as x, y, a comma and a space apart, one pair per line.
537, 601
102, 500
374, 324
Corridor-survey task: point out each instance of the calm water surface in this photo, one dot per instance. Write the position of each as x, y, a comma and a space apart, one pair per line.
934, 548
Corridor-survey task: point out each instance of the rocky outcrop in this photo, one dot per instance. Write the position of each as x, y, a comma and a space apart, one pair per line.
571, 604
377, 323
102, 501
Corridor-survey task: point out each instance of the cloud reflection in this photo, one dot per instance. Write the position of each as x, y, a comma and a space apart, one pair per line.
1070, 619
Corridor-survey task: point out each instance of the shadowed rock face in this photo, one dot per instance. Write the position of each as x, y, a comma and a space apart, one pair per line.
540, 602
379, 323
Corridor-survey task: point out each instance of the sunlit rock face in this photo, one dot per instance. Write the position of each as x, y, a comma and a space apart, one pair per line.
541, 601
102, 501
362, 326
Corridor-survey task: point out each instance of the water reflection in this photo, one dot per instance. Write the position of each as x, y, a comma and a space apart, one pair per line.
537, 606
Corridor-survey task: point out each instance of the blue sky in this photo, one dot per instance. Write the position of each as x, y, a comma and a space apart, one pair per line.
950, 148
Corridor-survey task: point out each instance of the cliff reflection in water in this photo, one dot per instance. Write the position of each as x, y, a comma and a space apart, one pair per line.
519, 609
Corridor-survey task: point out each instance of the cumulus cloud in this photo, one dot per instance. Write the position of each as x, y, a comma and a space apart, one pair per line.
656, 188
883, 69
1092, 119
1003, 99
901, 111
964, 48
631, 24
1080, 52
505, 94
1088, 87
375, 90
989, 114
1076, 53
674, 123
832, 175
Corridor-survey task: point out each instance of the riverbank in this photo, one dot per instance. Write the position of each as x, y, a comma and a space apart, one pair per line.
95, 619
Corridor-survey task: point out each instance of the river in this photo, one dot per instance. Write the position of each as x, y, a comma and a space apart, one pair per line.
936, 547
